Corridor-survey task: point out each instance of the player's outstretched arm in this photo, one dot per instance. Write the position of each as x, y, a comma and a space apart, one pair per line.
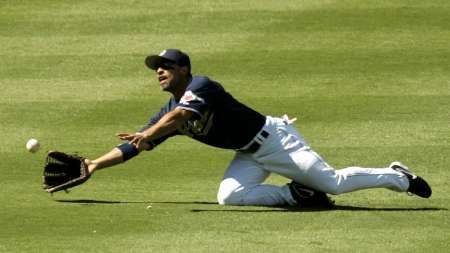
113, 157
138, 142
169, 123
109, 159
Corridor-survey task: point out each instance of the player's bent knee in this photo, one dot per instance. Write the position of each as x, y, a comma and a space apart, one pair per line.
231, 199
228, 192
221, 198
224, 200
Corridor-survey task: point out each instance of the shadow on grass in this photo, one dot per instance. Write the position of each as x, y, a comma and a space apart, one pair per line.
336, 208
244, 210
113, 202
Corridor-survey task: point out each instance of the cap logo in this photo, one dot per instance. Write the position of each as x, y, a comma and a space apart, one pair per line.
163, 53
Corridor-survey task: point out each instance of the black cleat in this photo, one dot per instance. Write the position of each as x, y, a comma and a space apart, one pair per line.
417, 185
309, 198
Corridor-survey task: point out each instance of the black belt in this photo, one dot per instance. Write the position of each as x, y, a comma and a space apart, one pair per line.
255, 145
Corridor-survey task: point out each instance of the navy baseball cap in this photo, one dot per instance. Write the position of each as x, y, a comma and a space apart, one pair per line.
168, 57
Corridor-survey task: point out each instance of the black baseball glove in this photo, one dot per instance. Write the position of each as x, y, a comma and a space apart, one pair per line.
63, 171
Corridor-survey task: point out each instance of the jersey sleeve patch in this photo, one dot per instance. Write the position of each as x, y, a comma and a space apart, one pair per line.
190, 97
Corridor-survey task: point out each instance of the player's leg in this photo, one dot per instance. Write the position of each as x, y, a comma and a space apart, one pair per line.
286, 153
242, 185
316, 173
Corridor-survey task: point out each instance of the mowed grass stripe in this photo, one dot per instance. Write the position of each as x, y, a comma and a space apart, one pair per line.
114, 8
299, 62
144, 87
122, 44
334, 109
334, 19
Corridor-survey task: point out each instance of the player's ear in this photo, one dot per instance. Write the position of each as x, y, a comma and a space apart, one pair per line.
184, 70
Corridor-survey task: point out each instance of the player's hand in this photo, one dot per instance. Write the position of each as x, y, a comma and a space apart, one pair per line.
139, 140
126, 136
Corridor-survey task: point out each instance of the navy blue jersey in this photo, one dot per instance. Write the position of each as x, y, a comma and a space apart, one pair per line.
219, 119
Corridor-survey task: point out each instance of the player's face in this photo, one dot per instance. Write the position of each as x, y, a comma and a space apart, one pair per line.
168, 77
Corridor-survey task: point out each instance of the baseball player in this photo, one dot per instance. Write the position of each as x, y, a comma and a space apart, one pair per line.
203, 110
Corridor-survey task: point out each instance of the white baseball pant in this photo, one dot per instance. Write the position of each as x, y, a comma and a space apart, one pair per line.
286, 153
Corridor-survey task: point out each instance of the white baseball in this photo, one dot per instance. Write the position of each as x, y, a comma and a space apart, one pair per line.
33, 145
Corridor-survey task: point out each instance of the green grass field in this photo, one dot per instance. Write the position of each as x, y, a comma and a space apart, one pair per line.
368, 80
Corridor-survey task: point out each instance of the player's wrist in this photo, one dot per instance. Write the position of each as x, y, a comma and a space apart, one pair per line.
92, 166
128, 151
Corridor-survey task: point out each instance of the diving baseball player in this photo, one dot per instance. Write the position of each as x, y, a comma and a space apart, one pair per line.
203, 110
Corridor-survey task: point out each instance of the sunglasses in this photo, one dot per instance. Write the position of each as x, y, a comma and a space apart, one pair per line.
167, 65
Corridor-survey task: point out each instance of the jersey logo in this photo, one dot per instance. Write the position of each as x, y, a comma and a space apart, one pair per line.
189, 97
198, 127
